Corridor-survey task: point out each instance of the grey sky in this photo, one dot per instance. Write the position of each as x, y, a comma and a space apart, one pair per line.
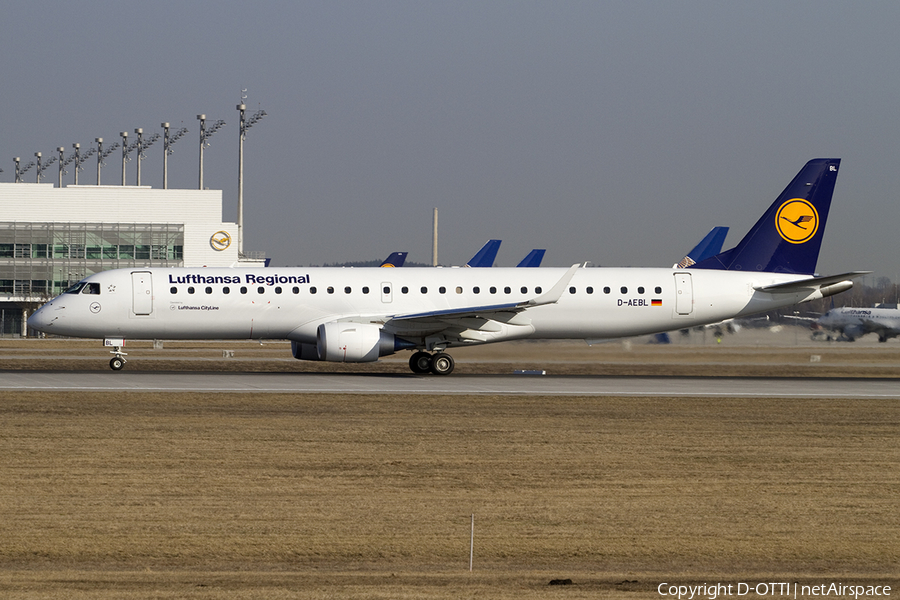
613, 132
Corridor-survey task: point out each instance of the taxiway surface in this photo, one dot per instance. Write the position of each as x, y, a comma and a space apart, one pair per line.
482, 384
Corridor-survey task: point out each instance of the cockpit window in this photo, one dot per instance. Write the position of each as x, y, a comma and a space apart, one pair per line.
91, 288
75, 288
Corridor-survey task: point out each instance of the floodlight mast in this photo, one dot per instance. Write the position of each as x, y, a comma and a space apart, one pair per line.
245, 125
101, 155
21, 171
141, 146
42, 167
80, 158
167, 149
205, 134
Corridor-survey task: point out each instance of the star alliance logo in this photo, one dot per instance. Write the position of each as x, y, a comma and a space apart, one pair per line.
797, 221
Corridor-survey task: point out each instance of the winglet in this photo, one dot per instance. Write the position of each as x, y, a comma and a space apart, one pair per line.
553, 295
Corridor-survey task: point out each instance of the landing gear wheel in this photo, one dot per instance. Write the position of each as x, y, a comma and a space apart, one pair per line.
442, 364
420, 362
116, 363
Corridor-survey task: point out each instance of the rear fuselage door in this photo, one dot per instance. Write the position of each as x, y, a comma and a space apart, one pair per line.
684, 294
387, 294
142, 291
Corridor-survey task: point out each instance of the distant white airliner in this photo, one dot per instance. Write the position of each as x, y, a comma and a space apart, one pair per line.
851, 323
361, 314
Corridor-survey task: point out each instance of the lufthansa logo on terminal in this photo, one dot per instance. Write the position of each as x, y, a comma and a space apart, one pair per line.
220, 240
797, 221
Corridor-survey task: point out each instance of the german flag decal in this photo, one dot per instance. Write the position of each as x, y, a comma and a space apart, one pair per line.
656, 302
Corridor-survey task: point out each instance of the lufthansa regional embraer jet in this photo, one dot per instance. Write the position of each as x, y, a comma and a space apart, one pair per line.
359, 315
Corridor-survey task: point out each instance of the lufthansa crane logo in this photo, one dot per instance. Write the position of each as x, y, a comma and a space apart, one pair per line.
797, 221
220, 240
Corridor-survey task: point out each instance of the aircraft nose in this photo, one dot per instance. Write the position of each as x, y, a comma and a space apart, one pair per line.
42, 318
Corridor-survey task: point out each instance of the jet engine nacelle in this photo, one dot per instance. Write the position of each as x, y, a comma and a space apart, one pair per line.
349, 342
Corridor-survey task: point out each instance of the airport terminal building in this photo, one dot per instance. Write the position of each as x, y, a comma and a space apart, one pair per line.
52, 237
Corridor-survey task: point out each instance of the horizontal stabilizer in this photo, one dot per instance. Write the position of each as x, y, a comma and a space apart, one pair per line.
810, 284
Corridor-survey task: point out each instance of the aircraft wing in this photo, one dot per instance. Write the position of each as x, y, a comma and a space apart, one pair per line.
486, 311
474, 323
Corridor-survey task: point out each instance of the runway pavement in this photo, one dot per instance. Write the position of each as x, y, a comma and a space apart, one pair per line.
320, 383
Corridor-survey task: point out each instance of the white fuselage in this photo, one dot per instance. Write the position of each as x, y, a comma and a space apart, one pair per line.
290, 303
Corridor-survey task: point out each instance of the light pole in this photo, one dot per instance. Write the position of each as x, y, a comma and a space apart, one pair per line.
167, 149
205, 134
102, 154
245, 125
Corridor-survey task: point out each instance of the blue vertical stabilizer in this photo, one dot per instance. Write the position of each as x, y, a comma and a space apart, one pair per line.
787, 238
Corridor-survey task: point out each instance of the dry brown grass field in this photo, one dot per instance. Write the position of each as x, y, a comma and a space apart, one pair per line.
143, 495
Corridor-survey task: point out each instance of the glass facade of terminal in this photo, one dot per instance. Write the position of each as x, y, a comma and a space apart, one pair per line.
40, 260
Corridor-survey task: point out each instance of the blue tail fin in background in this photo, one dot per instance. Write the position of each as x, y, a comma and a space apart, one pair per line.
396, 259
533, 259
787, 238
708, 246
485, 256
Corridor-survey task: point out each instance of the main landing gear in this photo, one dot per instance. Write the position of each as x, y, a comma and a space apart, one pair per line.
439, 363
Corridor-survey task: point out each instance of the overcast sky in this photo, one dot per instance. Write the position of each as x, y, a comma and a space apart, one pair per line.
612, 132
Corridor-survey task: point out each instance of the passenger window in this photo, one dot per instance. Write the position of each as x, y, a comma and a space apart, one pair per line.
278, 290
572, 290
507, 290
476, 290
173, 290
386, 290
295, 289
493, 290
538, 290
640, 290
623, 289
243, 290
208, 290
365, 289
312, 290
347, 290
606, 290
226, 290
589, 290
330, 290
261, 290
190, 290
442, 290
404, 290
658, 290
459, 290
524, 290
424, 290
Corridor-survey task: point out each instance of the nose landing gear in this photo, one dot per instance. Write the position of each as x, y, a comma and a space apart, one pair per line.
439, 363
118, 361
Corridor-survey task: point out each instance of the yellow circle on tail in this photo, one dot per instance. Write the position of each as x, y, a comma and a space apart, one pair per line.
797, 221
